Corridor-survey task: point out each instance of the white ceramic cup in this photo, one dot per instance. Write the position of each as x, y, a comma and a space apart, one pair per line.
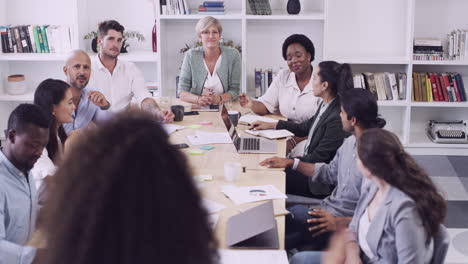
232, 171
187, 107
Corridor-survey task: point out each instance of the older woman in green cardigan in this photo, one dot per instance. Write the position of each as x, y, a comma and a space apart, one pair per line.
210, 74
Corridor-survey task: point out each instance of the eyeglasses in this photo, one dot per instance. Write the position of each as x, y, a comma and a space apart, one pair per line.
206, 32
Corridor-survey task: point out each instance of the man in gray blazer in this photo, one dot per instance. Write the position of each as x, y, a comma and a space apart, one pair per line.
359, 111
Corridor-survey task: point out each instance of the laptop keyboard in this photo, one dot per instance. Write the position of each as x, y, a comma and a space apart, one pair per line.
251, 143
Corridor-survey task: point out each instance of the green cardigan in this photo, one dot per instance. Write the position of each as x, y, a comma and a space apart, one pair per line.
193, 73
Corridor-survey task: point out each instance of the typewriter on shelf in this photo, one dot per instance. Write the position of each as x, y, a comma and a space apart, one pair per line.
447, 132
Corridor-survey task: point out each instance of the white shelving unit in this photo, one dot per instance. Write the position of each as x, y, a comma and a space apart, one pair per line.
377, 36
370, 35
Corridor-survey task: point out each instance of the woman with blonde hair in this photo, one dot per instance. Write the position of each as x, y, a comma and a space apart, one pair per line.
210, 74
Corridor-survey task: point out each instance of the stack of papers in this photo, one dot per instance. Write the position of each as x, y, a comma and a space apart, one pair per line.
253, 256
270, 133
251, 194
248, 119
205, 138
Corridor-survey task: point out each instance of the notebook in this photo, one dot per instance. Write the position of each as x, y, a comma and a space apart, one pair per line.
270, 133
248, 119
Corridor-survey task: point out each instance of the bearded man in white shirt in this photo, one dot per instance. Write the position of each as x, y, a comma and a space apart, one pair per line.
121, 81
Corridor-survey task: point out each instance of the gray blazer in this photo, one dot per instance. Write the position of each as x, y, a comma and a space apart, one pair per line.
193, 72
396, 234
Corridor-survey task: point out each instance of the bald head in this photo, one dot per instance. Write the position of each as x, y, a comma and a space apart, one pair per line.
77, 69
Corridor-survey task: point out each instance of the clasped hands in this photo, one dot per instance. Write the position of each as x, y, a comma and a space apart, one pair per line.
208, 98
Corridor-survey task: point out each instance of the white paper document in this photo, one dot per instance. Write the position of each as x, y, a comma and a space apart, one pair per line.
253, 256
171, 128
204, 138
248, 119
270, 133
250, 194
211, 206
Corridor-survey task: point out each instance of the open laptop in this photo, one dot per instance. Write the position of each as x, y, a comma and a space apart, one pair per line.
254, 228
247, 144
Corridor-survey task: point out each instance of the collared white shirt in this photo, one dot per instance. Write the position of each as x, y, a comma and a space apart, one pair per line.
285, 98
125, 83
44, 166
213, 82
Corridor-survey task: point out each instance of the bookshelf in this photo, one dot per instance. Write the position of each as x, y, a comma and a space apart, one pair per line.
372, 36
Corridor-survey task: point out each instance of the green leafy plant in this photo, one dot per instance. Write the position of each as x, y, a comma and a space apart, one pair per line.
229, 43
127, 35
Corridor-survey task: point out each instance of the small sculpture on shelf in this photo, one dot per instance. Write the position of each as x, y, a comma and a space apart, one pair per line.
127, 36
293, 7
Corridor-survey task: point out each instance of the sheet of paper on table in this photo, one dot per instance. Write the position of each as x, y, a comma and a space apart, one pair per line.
212, 206
253, 256
171, 128
205, 138
250, 194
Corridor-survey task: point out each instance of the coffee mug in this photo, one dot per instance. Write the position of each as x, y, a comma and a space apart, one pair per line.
234, 116
178, 111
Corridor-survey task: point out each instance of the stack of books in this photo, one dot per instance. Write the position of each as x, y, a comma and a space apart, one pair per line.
211, 8
457, 45
35, 39
174, 7
260, 7
428, 49
383, 85
438, 87
263, 79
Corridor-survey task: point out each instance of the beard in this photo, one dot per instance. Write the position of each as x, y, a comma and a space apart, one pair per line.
111, 55
78, 85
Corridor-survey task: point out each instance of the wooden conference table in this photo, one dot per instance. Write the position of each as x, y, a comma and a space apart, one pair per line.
211, 162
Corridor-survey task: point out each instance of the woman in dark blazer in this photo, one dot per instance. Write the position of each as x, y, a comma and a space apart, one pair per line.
324, 130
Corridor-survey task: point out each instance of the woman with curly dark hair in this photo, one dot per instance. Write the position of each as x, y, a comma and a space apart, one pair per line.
125, 195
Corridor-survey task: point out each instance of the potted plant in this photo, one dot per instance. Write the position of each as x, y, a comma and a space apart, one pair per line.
127, 36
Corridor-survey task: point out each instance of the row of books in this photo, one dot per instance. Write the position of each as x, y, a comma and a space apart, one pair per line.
35, 39
457, 45
439, 87
211, 8
428, 49
260, 7
384, 85
174, 7
263, 79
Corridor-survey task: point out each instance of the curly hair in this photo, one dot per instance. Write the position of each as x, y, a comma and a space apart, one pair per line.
383, 155
125, 195
303, 41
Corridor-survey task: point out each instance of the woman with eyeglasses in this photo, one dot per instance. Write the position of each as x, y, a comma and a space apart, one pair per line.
210, 74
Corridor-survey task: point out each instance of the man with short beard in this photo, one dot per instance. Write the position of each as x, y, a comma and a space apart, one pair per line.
90, 105
119, 80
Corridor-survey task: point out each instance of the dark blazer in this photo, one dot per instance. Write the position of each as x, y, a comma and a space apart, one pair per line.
328, 135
